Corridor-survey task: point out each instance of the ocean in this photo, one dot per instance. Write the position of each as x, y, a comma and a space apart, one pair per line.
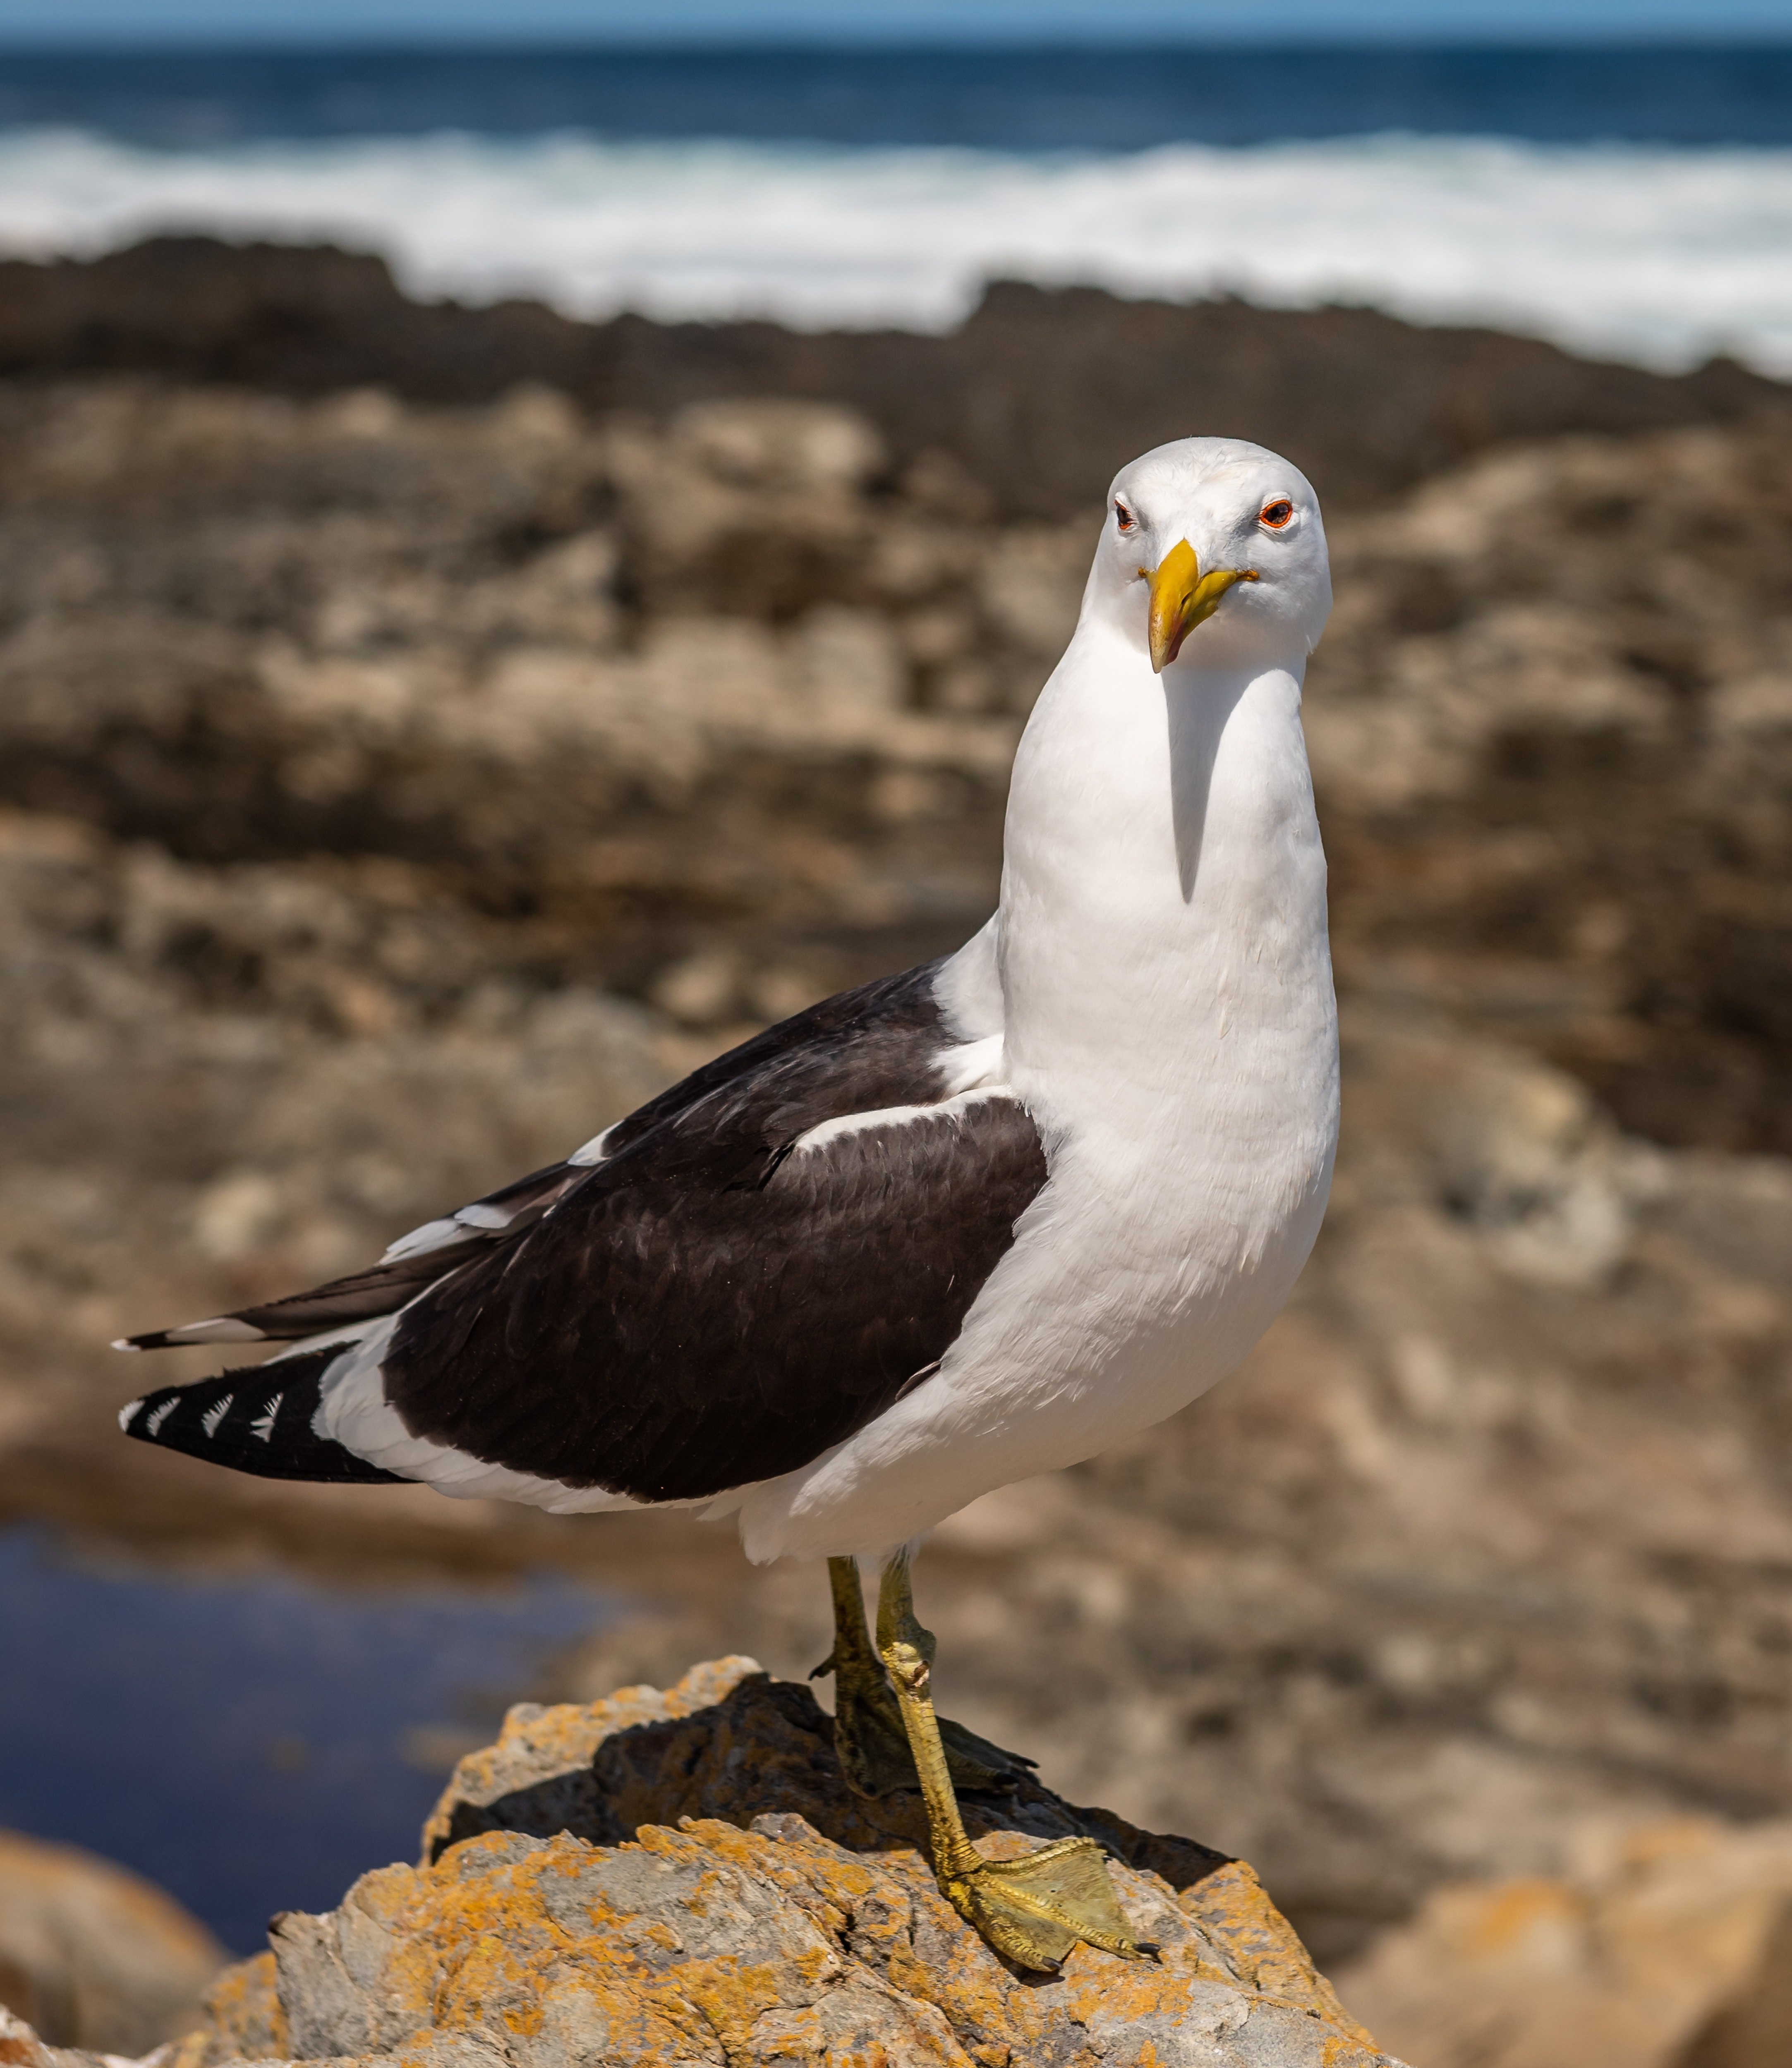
251, 1740
1636, 203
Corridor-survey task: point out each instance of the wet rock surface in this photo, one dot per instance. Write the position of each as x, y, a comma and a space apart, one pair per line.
1041, 393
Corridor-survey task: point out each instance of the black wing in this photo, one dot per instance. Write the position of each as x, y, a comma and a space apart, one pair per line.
711, 1303
710, 1308
868, 1047
364, 1296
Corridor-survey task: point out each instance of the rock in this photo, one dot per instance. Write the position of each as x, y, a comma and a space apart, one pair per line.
1672, 1948
538, 1777
93, 1956
1024, 397
1551, 729
20, 2047
683, 1877
391, 802
659, 690
244, 2019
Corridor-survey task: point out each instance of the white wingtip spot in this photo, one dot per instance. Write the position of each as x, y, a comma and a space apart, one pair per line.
126, 1412
215, 1414
125, 1343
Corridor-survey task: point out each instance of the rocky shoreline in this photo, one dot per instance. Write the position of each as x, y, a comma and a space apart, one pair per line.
1033, 402
682, 1875
396, 788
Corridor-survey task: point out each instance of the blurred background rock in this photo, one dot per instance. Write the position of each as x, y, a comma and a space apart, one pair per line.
93, 1957
416, 747
396, 793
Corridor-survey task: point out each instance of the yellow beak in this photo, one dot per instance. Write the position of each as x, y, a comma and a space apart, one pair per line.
1181, 596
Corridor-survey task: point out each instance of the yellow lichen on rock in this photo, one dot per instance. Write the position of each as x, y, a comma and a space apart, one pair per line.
710, 1943
539, 1743
243, 2016
713, 1894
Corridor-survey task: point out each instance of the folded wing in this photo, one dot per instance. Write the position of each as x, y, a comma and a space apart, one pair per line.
736, 1277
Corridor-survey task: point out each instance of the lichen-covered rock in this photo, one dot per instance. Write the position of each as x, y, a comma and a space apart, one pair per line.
708, 1942
538, 1775
244, 2019
719, 1897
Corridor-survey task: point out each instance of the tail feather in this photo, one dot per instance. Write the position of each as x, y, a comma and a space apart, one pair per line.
257, 1420
426, 1255
340, 1304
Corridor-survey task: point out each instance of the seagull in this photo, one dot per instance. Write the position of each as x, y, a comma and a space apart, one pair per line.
938, 1234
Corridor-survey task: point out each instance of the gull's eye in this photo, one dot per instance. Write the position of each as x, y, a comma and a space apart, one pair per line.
1124, 518
1278, 514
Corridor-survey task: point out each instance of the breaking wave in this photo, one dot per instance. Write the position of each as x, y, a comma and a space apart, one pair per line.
1662, 256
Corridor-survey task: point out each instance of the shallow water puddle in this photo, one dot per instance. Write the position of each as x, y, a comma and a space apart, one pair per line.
249, 1741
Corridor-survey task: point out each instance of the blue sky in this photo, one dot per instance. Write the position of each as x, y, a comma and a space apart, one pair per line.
63, 20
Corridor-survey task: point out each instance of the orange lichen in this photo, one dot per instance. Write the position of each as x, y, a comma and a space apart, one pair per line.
244, 2016
565, 1735
1263, 1947
816, 1932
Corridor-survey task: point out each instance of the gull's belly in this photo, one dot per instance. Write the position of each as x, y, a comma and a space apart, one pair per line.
1171, 1257
1142, 1274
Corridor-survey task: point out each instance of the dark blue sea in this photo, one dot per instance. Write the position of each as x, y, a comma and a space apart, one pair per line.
251, 1742
993, 100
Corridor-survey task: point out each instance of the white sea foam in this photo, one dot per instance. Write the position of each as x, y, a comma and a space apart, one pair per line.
1660, 256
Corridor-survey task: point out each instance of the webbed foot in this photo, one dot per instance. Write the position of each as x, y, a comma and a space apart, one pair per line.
1035, 1909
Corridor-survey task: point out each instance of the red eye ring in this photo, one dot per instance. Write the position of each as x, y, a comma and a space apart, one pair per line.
1123, 517
1278, 514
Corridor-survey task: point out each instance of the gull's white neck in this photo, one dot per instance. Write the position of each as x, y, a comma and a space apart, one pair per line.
1161, 942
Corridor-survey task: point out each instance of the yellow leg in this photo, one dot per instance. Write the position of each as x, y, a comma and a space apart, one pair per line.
869, 1738
1035, 1909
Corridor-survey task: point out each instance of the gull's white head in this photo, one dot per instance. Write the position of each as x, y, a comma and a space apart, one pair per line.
1212, 555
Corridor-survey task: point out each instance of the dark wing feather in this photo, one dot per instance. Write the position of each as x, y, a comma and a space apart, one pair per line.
679, 1326
861, 1048
701, 1308
382, 1289
258, 1420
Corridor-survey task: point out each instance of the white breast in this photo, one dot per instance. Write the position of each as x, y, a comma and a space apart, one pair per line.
1168, 1017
